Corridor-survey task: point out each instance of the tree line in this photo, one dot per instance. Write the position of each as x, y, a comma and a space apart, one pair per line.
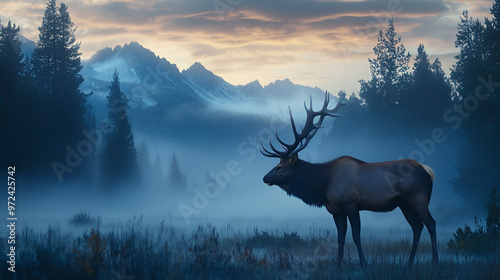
48, 126
394, 92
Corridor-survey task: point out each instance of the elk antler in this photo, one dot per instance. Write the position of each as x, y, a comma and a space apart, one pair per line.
307, 133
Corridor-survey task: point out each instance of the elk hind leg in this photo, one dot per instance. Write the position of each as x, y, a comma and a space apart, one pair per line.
430, 224
356, 234
416, 225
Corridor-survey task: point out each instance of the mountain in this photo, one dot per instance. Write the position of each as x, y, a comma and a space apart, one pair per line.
252, 88
150, 81
210, 87
285, 89
153, 78
27, 46
146, 79
157, 88
188, 104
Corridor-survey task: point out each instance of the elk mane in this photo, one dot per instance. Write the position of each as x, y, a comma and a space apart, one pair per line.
310, 184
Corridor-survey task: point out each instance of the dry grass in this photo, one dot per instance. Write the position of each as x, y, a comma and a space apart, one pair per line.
164, 252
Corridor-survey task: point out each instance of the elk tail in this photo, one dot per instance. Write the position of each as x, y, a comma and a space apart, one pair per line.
428, 170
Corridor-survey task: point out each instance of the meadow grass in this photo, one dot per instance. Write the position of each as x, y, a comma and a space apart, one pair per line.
133, 249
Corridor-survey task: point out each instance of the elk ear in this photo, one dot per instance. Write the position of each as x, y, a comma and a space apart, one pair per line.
293, 159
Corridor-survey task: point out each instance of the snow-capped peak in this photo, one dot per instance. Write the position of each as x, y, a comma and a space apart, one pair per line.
210, 87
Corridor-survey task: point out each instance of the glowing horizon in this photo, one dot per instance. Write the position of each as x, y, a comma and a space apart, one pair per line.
314, 43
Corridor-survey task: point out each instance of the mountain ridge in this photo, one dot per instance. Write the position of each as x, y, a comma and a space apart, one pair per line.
148, 78
185, 104
193, 107
139, 65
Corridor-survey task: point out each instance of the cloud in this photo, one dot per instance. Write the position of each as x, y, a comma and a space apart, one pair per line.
311, 10
105, 31
242, 40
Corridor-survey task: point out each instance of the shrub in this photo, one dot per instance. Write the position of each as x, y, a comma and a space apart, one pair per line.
484, 239
265, 240
83, 219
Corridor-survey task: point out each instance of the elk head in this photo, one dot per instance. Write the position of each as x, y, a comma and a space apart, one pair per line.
281, 174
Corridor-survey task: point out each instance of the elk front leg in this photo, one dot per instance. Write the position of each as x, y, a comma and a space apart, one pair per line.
341, 223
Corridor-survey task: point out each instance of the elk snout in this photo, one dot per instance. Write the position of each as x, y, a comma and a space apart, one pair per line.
267, 180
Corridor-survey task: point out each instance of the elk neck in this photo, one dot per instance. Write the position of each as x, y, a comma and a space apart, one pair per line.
309, 182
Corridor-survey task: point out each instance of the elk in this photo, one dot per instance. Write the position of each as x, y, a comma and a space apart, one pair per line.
347, 185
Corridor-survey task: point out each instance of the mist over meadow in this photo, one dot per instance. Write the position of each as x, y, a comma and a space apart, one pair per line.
124, 150
213, 130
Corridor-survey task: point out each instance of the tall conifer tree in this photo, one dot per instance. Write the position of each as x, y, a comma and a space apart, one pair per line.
56, 65
44, 56
15, 112
430, 92
175, 176
388, 71
476, 73
119, 157
11, 62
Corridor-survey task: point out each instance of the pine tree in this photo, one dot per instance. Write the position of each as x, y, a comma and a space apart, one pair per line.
144, 161
10, 69
63, 112
44, 56
441, 100
418, 97
119, 157
422, 65
353, 114
388, 71
471, 60
492, 38
157, 173
16, 112
175, 176
68, 67
68, 59
11, 63
481, 128
430, 92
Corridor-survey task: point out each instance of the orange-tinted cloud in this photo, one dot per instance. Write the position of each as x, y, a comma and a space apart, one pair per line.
313, 42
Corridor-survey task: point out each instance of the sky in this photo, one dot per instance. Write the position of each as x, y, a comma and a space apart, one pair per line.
319, 43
